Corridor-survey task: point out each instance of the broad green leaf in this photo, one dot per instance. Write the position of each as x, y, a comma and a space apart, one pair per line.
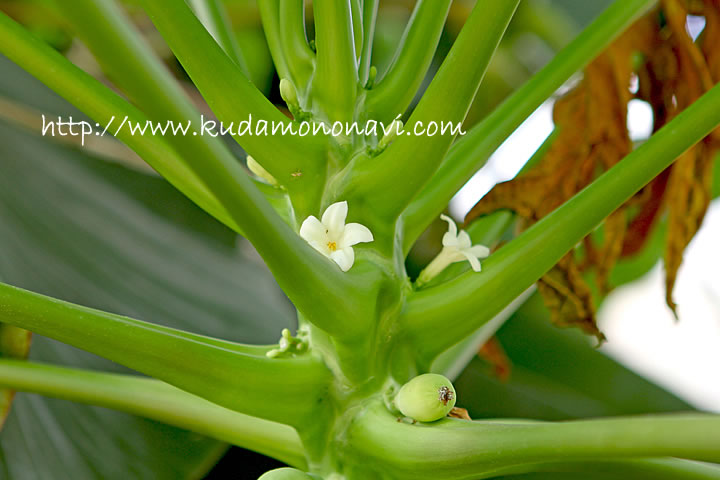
556, 375
94, 233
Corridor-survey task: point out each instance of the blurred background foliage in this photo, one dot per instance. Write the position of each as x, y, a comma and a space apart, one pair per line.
97, 227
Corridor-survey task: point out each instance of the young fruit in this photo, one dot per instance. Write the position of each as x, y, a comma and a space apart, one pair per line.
286, 473
426, 398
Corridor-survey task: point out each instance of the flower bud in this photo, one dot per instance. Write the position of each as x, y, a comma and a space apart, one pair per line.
426, 398
288, 93
395, 128
371, 78
260, 172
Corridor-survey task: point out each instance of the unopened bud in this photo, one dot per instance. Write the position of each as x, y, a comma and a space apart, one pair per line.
395, 128
288, 93
372, 74
260, 172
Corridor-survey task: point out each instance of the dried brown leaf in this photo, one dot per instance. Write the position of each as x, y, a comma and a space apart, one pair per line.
672, 71
494, 354
591, 120
569, 297
688, 196
460, 413
676, 74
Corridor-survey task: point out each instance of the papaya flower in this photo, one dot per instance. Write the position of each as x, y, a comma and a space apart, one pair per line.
457, 247
332, 237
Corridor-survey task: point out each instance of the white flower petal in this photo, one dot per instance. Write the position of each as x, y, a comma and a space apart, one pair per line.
479, 251
334, 218
353, 234
344, 258
452, 255
321, 247
313, 230
332, 238
463, 240
474, 262
450, 238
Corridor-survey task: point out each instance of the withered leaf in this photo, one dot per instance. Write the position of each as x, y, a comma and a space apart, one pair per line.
591, 120
676, 74
672, 72
493, 353
460, 413
569, 298
688, 197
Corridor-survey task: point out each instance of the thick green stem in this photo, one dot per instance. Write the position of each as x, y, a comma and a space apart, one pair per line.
315, 284
270, 16
477, 297
128, 60
394, 92
640, 469
296, 50
234, 99
155, 400
473, 150
213, 15
335, 83
447, 99
453, 361
370, 8
108, 109
497, 223
356, 10
234, 376
455, 449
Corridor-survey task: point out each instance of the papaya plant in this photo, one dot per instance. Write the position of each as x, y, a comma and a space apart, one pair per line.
359, 384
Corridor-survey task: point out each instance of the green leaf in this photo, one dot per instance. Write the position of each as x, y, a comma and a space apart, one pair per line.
98, 234
557, 375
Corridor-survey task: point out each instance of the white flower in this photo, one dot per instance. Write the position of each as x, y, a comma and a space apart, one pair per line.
457, 247
331, 237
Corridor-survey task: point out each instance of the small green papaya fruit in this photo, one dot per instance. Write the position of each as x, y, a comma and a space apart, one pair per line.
426, 398
286, 473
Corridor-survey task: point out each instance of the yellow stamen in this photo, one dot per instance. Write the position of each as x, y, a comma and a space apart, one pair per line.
332, 246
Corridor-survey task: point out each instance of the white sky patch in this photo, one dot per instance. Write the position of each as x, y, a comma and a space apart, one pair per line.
639, 120
507, 161
683, 356
694, 25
